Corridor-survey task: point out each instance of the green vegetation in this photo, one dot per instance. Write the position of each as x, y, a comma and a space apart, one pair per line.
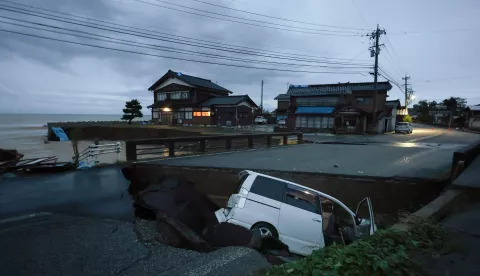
384, 253
132, 110
407, 118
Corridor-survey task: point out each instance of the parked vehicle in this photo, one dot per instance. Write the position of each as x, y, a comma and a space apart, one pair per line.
302, 218
403, 127
260, 120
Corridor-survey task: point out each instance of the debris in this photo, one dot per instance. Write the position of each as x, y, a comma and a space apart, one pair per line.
360, 172
336, 165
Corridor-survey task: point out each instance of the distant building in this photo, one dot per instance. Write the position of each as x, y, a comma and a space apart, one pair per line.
390, 115
181, 99
440, 116
283, 102
473, 116
342, 107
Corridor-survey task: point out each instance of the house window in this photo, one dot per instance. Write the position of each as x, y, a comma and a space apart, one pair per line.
243, 115
313, 122
161, 97
181, 95
183, 113
317, 101
201, 114
363, 100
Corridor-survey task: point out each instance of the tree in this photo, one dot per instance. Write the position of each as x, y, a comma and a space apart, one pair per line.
132, 110
423, 108
407, 118
455, 104
432, 105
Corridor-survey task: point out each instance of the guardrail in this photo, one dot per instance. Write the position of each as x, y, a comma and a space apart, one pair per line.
160, 145
89, 156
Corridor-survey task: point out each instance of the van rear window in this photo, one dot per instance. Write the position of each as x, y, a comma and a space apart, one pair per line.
268, 187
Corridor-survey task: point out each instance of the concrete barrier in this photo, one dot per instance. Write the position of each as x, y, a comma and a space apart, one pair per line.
462, 158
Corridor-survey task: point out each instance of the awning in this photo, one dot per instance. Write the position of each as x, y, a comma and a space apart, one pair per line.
314, 110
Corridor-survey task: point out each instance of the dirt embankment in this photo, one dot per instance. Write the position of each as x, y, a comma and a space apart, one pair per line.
389, 196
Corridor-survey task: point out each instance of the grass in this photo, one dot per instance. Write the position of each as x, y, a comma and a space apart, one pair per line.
384, 253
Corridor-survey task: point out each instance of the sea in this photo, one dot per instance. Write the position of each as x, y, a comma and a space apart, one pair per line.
14, 126
27, 132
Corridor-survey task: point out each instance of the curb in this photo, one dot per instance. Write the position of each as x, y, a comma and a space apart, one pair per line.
447, 203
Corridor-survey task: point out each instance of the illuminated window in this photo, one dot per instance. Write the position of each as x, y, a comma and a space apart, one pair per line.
201, 114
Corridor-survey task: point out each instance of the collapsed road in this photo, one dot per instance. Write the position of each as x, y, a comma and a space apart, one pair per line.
185, 218
91, 244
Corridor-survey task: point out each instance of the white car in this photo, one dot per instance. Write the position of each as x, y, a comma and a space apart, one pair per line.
403, 127
302, 218
260, 120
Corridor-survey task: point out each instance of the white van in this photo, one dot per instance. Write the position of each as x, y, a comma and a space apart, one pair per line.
302, 218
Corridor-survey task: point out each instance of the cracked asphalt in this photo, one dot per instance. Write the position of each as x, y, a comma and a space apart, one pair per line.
67, 245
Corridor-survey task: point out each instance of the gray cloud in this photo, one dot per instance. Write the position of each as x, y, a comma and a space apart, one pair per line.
53, 77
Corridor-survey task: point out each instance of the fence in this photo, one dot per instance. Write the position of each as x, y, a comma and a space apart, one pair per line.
89, 156
200, 144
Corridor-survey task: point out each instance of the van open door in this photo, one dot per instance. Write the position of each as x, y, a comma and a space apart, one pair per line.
365, 220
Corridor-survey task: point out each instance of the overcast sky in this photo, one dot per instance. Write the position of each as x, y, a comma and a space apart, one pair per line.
435, 42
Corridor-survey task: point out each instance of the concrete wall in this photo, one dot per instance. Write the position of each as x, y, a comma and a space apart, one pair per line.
388, 195
116, 133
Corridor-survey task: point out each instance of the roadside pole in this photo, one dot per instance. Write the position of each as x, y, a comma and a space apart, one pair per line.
376, 36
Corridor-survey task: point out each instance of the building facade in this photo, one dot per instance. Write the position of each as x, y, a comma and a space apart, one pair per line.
181, 99
339, 108
283, 103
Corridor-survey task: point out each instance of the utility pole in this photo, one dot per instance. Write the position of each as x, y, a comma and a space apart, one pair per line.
407, 96
261, 101
376, 36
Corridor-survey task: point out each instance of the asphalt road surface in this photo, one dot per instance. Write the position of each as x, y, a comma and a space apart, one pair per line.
421, 134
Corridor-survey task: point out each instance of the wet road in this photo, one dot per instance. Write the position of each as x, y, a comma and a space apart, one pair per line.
100, 192
421, 134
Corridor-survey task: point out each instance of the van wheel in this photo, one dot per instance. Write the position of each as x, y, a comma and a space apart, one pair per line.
265, 229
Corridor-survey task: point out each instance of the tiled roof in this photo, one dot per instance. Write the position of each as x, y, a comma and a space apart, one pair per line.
474, 107
227, 100
335, 89
200, 82
282, 97
194, 81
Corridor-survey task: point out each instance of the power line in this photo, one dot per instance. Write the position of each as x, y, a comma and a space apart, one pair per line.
154, 31
446, 79
395, 53
163, 38
434, 31
359, 13
175, 58
390, 60
274, 17
390, 75
319, 32
158, 47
